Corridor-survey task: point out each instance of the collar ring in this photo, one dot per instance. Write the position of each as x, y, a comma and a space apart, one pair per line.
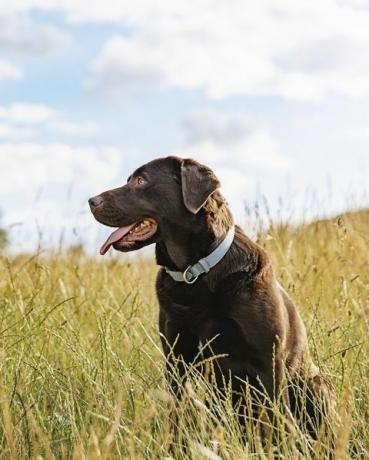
187, 273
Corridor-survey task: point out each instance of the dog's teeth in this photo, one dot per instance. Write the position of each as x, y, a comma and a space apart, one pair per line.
142, 225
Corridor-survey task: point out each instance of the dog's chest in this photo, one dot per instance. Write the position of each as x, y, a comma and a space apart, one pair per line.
189, 312
192, 313
191, 306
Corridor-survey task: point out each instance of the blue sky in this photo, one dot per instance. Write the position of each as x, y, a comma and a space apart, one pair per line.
273, 96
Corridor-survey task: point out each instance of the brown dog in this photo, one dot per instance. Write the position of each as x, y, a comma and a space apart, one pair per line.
236, 303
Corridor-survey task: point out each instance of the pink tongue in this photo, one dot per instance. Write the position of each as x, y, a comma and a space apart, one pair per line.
114, 237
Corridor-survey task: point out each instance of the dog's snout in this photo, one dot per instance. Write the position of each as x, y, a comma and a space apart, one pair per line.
95, 201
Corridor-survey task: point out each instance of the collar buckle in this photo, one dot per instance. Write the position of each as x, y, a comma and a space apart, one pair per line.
186, 273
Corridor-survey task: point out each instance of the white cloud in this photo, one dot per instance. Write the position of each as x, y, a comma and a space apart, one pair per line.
9, 131
237, 186
25, 113
121, 67
297, 50
238, 150
18, 32
244, 48
358, 132
9, 71
47, 224
21, 119
218, 137
49, 185
82, 11
32, 166
74, 128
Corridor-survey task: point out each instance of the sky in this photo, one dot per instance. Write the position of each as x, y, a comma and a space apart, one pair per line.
274, 96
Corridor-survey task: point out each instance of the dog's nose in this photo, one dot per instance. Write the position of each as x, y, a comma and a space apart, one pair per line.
95, 201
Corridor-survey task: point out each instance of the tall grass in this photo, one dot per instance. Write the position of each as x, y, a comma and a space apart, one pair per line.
82, 368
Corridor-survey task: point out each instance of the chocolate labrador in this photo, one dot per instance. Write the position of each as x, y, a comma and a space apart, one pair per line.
215, 286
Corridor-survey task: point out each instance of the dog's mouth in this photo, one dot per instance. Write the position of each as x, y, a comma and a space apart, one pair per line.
126, 236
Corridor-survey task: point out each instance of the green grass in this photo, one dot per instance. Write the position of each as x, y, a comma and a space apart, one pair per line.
82, 368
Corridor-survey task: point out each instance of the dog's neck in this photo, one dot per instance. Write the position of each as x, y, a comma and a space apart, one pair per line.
182, 247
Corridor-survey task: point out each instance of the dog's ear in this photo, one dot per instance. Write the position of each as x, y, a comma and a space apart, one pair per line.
198, 183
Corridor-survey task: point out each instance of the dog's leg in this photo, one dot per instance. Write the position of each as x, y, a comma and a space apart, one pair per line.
180, 348
312, 404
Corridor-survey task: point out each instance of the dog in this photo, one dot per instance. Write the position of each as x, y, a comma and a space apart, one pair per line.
215, 285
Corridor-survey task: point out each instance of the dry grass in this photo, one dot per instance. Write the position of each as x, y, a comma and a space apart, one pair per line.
82, 369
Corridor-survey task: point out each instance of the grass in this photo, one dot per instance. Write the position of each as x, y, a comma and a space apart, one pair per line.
82, 368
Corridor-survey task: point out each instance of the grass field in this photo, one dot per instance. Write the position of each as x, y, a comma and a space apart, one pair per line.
82, 369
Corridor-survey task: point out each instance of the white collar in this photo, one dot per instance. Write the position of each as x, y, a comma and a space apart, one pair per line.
204, 265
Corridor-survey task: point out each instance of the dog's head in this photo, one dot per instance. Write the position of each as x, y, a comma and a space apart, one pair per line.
166, 191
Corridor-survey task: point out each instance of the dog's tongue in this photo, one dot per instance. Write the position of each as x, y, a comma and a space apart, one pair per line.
114, 237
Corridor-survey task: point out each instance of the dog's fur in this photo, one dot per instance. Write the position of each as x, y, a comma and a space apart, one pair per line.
238, 306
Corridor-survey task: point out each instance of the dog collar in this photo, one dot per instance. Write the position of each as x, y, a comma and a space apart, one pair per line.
204, 265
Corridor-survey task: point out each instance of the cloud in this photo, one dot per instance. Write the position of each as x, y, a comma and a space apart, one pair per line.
49, 185
218, 137
21, 119
356, 133
242, 49
18, 32
9, 131
32, 166
237, 149
50, 182
25, 113
9, 71
74, 128
237, 186
221, 48
120, 67
47, 224
78, 11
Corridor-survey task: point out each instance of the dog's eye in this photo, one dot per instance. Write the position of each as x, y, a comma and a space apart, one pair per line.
140, 180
